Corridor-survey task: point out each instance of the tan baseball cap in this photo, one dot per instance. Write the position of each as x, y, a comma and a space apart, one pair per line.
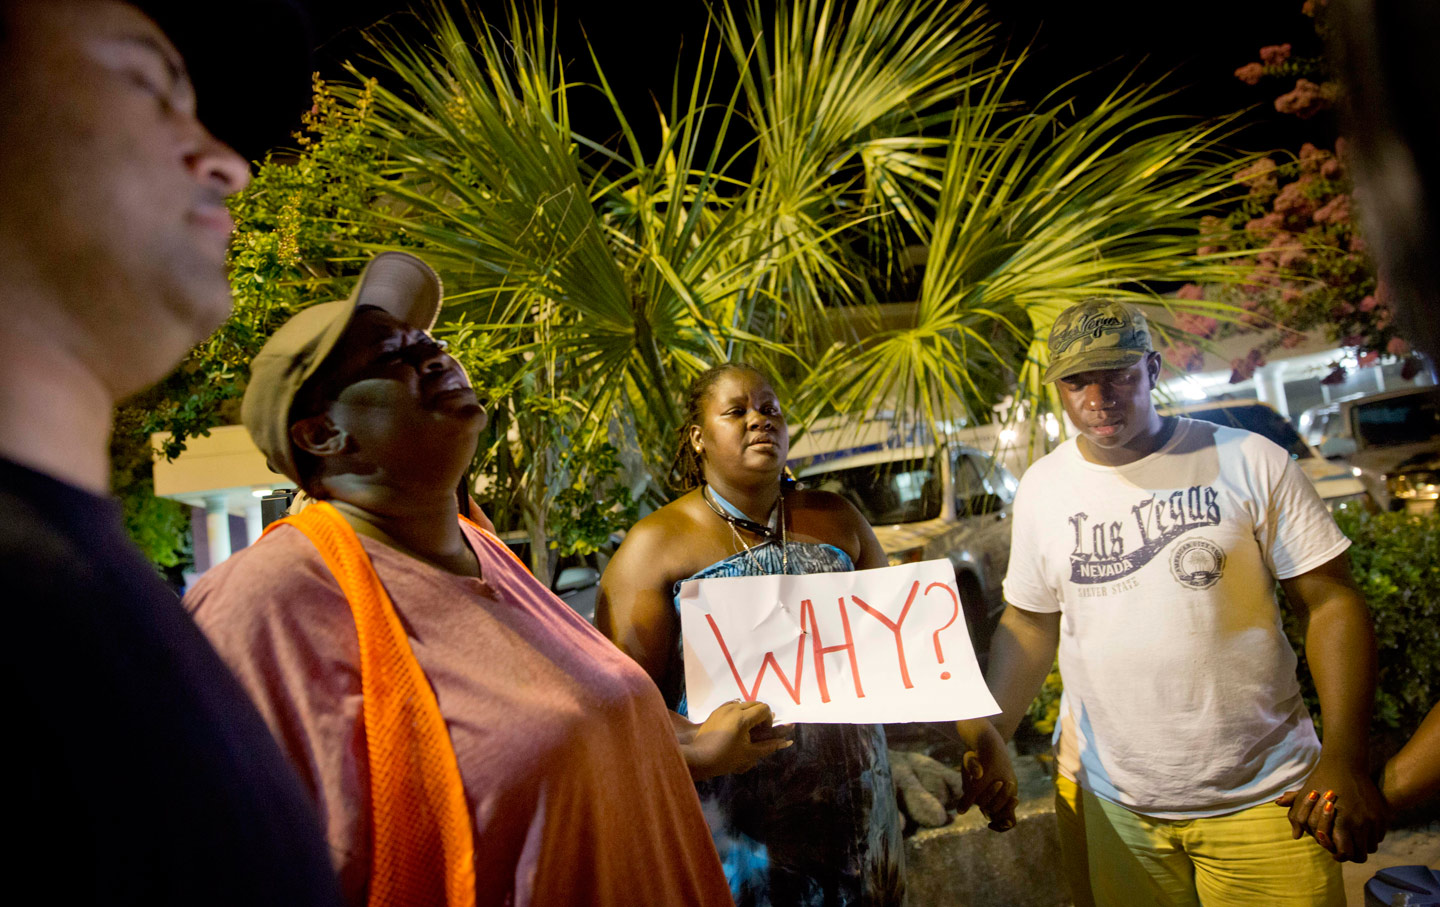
1096, 334
397, 282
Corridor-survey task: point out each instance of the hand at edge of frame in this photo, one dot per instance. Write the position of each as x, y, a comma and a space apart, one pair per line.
1341, 808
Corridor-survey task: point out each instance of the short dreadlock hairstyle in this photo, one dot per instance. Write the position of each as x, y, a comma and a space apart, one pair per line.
686, 471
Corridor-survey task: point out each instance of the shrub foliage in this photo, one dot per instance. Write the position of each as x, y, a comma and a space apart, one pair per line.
1396, 562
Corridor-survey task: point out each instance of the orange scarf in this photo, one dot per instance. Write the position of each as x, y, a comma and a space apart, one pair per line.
424, 848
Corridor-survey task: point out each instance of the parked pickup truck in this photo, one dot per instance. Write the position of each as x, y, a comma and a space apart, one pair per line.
1390, 440
928, 502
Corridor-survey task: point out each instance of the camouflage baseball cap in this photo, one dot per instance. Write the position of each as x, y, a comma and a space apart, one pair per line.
1096, 334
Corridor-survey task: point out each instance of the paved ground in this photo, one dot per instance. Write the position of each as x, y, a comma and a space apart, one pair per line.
965, 865
1407, 847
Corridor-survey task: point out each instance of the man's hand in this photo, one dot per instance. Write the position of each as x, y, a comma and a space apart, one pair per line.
925, 787
1342, 808
989, 777
735, 737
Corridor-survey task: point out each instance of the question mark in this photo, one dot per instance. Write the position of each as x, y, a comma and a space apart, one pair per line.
939, 653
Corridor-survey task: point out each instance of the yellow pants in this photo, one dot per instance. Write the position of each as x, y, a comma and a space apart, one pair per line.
1116, 858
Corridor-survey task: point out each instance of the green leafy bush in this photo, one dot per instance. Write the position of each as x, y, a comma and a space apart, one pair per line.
1044, 712
1396, 562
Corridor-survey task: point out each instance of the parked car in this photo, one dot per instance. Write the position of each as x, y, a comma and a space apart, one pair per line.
926, 502
1392, 440
1336, 483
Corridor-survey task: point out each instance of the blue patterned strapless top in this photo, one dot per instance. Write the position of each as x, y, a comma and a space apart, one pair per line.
814, 824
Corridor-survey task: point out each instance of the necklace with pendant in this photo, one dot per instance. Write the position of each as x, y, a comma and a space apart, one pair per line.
773, 532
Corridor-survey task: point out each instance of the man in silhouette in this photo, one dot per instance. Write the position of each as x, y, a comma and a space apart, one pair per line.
139, 771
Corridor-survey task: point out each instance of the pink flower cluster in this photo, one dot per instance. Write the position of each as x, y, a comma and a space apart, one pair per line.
1318, 161
1250, 73
1184, 356
1306, 99
1397, 347
1335, 211
1294, 200
1259, 176
1284, 252
1266, 226
1384, 315
1196, 324
1275, 54
1244, 369
1256, 315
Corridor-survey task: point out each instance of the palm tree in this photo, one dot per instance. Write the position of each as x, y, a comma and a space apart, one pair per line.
600, 277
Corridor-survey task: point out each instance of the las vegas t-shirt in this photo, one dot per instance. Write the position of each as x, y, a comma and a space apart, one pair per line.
1181, 699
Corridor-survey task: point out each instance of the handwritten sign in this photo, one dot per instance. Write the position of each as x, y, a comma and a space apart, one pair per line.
873, 646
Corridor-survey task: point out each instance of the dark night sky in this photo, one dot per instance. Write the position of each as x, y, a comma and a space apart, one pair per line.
640, 41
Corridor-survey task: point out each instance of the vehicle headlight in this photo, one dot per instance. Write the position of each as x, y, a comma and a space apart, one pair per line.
1414, 486
905, 556
1361, 499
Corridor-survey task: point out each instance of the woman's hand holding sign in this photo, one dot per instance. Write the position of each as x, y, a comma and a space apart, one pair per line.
733, 739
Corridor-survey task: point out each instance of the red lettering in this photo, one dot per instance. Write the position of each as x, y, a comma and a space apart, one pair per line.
807, 618
939, 653
768, 662
894, 627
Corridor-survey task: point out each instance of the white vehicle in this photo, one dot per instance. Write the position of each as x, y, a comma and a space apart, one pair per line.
1336, 483
1390, 440
925, 502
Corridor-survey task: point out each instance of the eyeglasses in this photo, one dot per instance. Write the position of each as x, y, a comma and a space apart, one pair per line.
415, 353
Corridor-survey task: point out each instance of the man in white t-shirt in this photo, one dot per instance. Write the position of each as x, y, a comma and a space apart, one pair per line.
1147, 549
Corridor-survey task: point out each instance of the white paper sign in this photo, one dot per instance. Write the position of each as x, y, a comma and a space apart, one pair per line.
872, 646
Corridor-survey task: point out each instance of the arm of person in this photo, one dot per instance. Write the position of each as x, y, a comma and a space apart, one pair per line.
830, 518
633, 608
1021, 653
303, 675
1340, 648
1412, 777
871, 555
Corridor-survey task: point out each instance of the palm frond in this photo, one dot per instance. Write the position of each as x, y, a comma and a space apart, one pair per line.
1036, 211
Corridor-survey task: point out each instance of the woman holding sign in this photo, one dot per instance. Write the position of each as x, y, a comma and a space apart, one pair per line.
816, 822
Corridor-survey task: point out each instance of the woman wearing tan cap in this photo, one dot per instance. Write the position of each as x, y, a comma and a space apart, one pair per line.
467, 737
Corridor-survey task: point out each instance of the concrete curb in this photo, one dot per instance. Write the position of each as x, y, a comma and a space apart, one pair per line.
965, 864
